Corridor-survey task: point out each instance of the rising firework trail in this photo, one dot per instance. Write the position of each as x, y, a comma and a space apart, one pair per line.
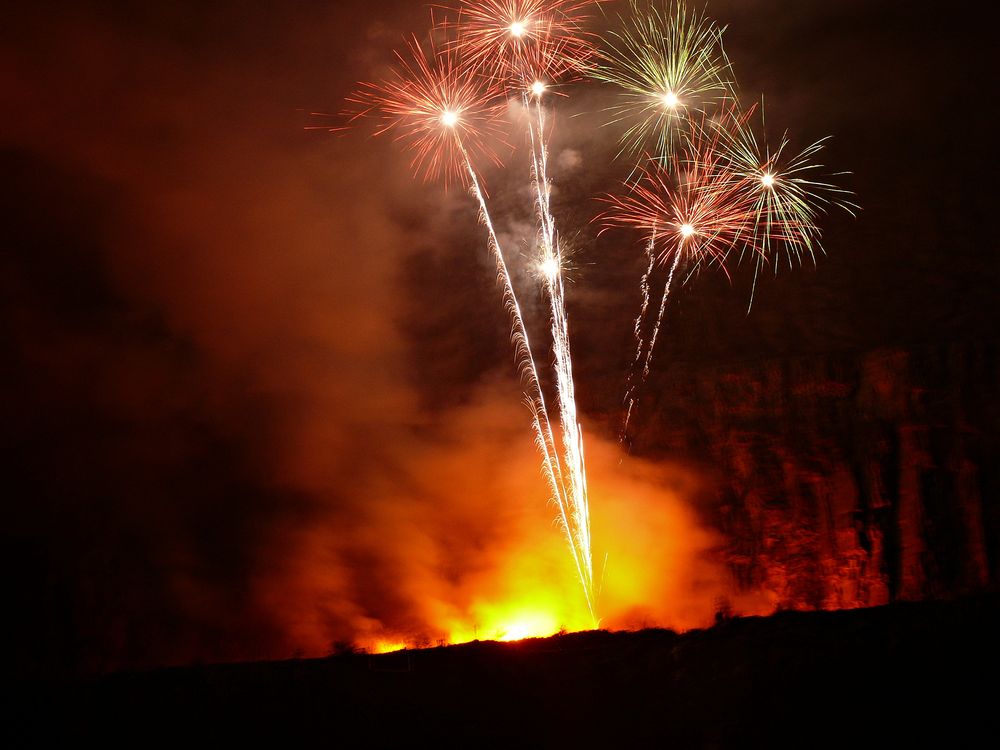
640, 342
445, 110
552, 266
692, 212
533, 44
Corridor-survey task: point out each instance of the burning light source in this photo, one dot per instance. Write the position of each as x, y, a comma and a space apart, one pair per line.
670, 100
538, 88
687, 230
518, 28
767, 180
449, 118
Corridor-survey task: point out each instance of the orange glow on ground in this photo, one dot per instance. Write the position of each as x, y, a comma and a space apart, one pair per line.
479, 557
387, 647
498, 623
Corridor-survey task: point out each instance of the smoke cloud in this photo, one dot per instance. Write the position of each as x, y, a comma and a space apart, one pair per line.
266, 389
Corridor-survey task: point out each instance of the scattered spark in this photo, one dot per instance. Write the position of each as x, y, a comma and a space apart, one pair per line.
691, 208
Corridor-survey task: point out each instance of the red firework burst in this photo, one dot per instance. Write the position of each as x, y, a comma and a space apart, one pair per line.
695, 210
438, 105
522, 41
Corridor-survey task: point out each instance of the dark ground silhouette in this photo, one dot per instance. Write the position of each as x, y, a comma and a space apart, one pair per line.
919, 673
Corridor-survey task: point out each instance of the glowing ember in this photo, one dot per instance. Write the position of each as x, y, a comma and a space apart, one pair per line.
670, 100
538, 88
449, 119
518, 28
767, 180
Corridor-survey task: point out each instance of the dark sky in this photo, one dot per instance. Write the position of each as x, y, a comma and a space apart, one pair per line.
257, 389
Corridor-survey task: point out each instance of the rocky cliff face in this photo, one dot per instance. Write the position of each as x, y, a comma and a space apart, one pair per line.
845, 480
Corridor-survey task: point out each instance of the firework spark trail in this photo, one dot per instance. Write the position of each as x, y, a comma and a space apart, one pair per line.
697, 210
578, 531
527, 46
574, 517
633, 387
519, 335
640, 342
659, 316
441, 110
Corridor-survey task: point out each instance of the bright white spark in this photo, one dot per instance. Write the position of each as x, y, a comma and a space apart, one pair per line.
767, 180
687, 230
550, 268
538, 88
449, 118
670, 100
518, 28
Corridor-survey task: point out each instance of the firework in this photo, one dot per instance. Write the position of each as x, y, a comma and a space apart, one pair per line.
437, 106
691, 212
667, 64
523, 41
786, 199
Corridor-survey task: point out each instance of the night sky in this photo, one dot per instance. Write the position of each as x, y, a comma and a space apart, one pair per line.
258, 393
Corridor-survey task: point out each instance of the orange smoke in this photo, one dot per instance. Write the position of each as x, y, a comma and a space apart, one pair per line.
460, 544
